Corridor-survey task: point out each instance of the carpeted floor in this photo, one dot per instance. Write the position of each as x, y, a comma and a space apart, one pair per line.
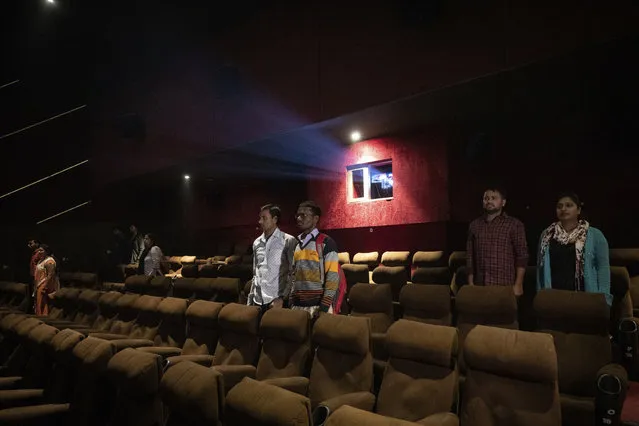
631, 406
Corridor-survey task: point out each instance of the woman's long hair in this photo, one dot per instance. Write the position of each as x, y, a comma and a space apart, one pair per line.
49, 253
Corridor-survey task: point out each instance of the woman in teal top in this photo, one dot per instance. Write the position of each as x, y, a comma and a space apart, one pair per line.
573, 255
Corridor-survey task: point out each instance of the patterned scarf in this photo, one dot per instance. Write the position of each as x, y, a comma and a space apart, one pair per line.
577, 237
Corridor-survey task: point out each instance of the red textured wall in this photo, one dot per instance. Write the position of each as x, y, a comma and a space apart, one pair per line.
420, 175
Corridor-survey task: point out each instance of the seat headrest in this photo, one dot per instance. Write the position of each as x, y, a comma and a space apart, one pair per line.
285, 324
515, 354
89, 297
428, 258
628, 257
24, 327
432, 275
190, 271
356, 273
486, 301
187, 259
194, 391
147, 303
425, 343
344, 257
204, 312
390, 275
456, 260
572, 312
172, 307
240, 318
136, 372
371, 259
396, 258
63, 344
619, 281
109, 298
234, 259
426, 297
342, 333
95, 353
371, 297
42, 335
136, 282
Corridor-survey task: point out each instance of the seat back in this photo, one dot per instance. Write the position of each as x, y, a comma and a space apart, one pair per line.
286, 344
37, 368
343, 362
126, 314
140, 284
108, 310
159, 286
172, 330
202, 327
421, 375
148, 320
621, 307
192, 395
226, 289
398, 258
511, 379
396, 276
495, 306
183, 288
238, 342
81, 280
375, 302
370, 259
629, 257
136, 376
578, 321
87, 307
427, 303
354, 274
64, 371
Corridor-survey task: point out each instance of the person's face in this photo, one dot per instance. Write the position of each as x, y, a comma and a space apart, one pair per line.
493, 202
305, 219
148, 242
133, 229
567, 209
267, 222
32, 244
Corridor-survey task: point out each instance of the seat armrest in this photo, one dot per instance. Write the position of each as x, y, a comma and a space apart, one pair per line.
205, 360
11, 382
131, 343
298, 385
163, 351
362, 400
233, 374
40, 415
109, 336
440, 419
20, 398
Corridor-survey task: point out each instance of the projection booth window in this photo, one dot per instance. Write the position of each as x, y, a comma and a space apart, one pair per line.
368, 182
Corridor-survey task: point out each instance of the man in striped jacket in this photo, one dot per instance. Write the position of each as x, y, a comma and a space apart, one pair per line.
315, 264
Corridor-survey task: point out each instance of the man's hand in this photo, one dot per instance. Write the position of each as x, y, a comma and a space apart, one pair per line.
277, 303
518, 288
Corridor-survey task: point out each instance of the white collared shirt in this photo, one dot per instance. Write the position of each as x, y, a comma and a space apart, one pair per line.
268, 259
313, 234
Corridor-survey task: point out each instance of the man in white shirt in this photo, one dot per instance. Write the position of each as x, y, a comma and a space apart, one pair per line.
272, 260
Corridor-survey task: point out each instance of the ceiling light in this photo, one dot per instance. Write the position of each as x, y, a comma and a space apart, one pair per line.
356, 136
187, 177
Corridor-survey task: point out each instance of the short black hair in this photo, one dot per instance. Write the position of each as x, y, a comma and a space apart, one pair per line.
311, 205
35, 240
498, 189
151, 237
274, 210
573, 196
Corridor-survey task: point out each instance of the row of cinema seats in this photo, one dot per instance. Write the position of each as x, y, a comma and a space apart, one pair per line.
433, 267
260, 368
577, 320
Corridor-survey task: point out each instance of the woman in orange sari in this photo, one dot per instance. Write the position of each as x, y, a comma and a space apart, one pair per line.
47, 282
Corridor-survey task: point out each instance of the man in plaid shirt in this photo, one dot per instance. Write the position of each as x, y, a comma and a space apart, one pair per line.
497, 253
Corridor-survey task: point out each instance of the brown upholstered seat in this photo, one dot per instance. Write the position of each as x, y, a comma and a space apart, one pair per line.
421, 378
629, 257
347, 416
579, 323
170, 335
374, 301
495, 306
396, 276
285, 350
192, 395
256, 403
511, 379
344, 258
202, 333
427, 303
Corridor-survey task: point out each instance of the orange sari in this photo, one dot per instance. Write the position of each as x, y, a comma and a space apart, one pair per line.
47, 283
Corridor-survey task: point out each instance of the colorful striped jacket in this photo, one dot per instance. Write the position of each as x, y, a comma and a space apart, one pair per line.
316, 275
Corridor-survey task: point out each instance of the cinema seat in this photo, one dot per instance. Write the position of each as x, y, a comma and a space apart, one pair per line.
511, 379
192, 395
427, 303
421, 379
429, 268
347, 416
374, 301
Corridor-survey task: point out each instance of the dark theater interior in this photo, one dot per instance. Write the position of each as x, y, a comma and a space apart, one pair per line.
319, 213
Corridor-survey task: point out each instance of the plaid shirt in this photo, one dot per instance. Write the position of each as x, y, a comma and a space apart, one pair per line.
495, 249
